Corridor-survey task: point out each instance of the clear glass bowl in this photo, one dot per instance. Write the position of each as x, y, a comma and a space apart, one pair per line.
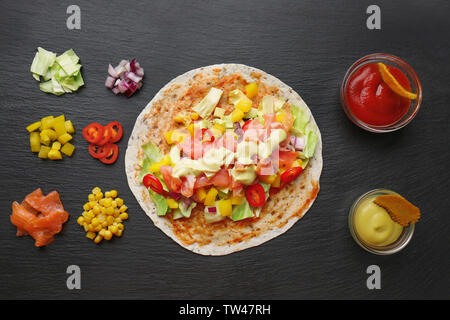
394, 247
416, 87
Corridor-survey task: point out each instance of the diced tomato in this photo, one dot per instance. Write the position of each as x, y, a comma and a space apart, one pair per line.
221, 179
174, 184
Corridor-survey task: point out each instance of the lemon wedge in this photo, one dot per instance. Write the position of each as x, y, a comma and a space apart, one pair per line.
392, 83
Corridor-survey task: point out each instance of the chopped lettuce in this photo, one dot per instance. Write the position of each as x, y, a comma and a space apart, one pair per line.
160, 202
152, 152
186, 212
177, 214
42, 61
310, 144
243, 211
301, 116
253, 113
61, 74
205, 107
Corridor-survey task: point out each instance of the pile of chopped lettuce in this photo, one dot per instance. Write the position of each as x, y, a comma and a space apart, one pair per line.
61, 74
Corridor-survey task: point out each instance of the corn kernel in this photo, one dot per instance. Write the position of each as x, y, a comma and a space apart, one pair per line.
114, 204
120, 226
251, 90
194, 116
237, 115
91, 197
117, 220
109, 210
244, 105
107, 235
114, 229
123, 216
80, 220
96, 190
119, 233
119, 202
90, 235
86, 206
114, 194
99, 195
110, 220
102, 232
95, 222
107, 194
123, 208
98, 239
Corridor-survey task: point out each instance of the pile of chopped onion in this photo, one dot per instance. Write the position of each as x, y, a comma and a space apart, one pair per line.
125, 78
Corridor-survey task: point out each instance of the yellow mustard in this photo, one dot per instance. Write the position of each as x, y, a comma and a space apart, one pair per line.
374, 225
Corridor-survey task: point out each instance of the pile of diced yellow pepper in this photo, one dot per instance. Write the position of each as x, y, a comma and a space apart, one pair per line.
103, 215
50, 137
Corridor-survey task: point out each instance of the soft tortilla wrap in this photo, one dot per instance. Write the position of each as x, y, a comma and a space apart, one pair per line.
279, 213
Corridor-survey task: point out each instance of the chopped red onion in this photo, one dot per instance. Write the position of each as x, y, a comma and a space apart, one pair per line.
299, 143
109, 83
175, 196
125, 78
112, 72
212, 209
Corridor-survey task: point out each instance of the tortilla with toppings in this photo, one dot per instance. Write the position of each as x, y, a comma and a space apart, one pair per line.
193, 191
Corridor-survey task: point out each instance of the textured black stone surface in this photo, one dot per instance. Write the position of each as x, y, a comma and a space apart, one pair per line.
307, 44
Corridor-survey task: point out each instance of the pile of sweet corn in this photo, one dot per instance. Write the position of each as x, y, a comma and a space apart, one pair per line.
50, 137
103, 215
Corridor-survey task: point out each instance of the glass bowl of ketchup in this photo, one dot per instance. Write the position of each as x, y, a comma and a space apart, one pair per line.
370, 103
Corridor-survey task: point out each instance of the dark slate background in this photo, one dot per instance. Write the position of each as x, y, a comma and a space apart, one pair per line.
307, 44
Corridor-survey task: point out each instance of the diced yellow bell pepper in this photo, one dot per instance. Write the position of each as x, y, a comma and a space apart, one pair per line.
281, 117
64, 138
268, 179
244, 104
237, 115
60, 128
50, 133
251, 90
54, 155
297, 163
59, 119
34, 126
277, 182
35, 142
201, 194
56, 145
172, 203
225, 207
168, 136
236, 200
44, 139
68, 149
47, 122
69, 127
210, 198
179, 118
43, 153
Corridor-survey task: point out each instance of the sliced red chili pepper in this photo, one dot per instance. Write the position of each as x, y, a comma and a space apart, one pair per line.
246, 124
255, 195
99, 152
116, 131
106, 137
152, 182
93, 132
291, 174
112, 155
207, 135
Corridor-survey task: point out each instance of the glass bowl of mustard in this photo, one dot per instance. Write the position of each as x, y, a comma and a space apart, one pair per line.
373, 229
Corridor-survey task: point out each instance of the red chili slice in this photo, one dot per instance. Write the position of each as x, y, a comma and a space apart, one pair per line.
106, 136
246, 124
112, 155
207, 135
291, 174
255, 195
152, 182
116, 131
99, 152
93, 132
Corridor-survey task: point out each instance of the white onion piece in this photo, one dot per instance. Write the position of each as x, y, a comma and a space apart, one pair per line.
132, 76
116, 91
140, 72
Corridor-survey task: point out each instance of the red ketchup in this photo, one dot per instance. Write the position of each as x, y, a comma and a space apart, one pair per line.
371, 100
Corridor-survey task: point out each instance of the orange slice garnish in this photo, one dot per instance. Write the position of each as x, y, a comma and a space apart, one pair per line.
393, 84
401, 210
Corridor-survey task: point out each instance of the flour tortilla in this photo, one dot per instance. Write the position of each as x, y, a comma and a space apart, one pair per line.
279, 213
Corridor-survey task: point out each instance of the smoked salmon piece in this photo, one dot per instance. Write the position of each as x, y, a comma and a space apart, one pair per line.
39, 216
